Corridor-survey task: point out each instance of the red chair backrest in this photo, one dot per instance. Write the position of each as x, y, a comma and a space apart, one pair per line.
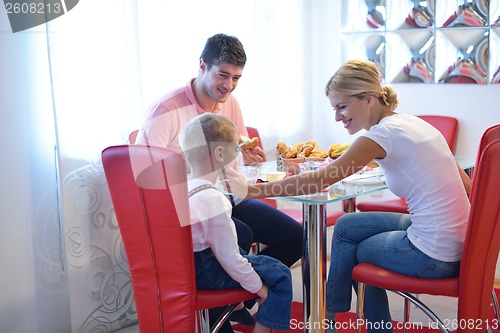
448, 126
133, 136
482, 242
149, 194
490, 135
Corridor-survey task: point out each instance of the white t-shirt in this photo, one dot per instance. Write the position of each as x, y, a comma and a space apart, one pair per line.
420, 168
211, 226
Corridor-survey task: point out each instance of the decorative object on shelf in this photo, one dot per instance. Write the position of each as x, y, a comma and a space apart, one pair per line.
496, 76
420, 16
419, 66
375, 17
471, 66
472, 13
375, 52
394, 35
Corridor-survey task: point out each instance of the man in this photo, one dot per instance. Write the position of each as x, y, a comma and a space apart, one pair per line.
220, 68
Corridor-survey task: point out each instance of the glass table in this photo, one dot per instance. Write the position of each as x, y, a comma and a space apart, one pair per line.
314, 222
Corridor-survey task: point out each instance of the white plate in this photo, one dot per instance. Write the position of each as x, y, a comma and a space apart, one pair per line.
372, 177
364, 181
272, 176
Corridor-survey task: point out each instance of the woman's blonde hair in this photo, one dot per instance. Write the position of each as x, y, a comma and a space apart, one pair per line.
361, 78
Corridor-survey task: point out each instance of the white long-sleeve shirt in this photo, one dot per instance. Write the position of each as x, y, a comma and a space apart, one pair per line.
211, 226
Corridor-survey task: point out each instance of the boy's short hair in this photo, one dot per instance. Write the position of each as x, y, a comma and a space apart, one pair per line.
201, 134
223, 48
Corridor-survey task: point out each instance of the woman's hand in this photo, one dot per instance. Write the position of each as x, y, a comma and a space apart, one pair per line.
252, 156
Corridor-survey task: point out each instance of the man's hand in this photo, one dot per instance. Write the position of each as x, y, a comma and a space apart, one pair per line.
252, 156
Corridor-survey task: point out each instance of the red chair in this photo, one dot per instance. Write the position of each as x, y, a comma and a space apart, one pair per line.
448, 126
477, 271
491, 134
133, 136
149, 194
296, 214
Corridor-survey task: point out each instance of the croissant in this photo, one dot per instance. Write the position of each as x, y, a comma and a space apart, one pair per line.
282, 148
250, 143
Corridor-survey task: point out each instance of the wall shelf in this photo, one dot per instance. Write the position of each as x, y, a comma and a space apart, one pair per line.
433, 41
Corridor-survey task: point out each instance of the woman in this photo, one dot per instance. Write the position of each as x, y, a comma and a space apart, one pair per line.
418, 166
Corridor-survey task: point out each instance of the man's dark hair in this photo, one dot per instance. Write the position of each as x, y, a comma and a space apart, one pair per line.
223, 48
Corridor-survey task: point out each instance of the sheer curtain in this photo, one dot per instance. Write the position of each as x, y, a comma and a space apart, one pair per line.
274, 34
108, 61
96, 84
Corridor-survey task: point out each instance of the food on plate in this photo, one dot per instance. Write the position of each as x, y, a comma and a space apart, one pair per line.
372, 164
338, 149
311, 150
274, 176
318, 153
307, 148
248, 143
282, 148
295, 150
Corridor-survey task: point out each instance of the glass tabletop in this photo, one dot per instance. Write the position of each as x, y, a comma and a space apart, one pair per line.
342, 190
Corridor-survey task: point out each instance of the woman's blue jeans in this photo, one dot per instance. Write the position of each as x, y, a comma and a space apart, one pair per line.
274, 312
378, 238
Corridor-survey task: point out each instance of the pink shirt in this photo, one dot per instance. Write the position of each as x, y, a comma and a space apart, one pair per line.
168, 115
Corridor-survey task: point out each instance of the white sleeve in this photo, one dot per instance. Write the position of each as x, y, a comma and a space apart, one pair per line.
220, 235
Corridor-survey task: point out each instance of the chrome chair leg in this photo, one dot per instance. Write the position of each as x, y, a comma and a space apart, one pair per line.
495, 304
408, 298
223, 317
202, 322
406, 315
360, 303
424, 308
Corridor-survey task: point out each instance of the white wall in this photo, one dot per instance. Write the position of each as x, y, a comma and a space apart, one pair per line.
476, 107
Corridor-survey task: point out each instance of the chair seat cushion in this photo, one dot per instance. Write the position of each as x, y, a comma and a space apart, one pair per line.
397, 206
208, 299
379, 277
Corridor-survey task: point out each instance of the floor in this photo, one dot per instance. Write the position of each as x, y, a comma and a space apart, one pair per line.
446, 307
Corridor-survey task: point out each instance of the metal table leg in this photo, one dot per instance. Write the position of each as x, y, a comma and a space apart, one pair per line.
314, 266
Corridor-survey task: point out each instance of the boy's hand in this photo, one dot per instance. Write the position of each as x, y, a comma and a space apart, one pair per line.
235, 183
262, 293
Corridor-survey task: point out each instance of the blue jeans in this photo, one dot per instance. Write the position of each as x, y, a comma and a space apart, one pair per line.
274, 312
258, 221
378, 238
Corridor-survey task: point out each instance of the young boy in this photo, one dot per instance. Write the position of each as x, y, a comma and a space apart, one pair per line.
210, 142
